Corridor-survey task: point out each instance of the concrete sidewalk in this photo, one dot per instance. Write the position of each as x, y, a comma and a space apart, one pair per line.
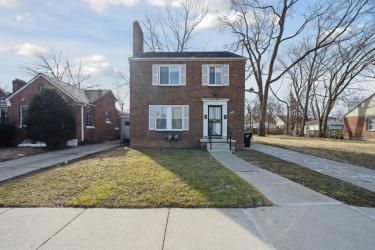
278, 227
24, 165
360, 176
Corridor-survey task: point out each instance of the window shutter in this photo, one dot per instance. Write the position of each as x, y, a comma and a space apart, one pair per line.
183, 74
226, 74
205, 74
185, 121
151, 117
155, 74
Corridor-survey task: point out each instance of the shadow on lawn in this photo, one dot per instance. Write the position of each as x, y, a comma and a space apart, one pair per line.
202, 173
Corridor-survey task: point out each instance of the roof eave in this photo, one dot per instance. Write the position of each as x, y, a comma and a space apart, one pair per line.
187, 58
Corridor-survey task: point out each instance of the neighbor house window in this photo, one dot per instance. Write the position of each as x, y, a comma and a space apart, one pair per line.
371, 124
23, 112
3, 115
216, 75
107, 117
169, 118
169, 75
90, 119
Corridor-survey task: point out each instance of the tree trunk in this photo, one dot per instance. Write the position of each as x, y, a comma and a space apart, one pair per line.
263, 113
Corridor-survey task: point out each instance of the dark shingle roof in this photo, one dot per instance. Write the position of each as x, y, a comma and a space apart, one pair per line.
191, 54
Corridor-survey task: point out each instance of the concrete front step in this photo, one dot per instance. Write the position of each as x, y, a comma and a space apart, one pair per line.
219, 147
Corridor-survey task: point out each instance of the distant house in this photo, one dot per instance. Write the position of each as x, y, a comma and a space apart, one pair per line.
185, 99
335, 127
95, 111
360, 121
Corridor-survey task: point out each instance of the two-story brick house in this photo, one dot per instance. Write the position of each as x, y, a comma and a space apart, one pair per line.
183, 99
95, 110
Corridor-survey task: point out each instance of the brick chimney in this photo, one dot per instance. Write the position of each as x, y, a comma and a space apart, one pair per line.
137, 39
17, 84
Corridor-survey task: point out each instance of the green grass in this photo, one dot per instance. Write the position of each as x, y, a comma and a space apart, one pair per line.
129, 178
358, 153
332, 187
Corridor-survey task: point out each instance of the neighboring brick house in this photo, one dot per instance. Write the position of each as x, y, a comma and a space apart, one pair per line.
183, 99
359, 123
95, 111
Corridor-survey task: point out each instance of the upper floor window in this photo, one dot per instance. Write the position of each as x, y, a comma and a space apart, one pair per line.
371, 124
107, 117
168, 118
90, 119
215, 74
168, 75
23, 112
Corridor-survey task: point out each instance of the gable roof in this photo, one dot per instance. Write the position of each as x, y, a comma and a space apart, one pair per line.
77, 94
356, 107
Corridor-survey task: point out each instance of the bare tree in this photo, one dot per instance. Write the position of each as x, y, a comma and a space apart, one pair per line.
174, 29
260, 27
55, 65
121, 91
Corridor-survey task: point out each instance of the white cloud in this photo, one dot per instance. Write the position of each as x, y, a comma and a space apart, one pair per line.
28, 49
8, 3
20, 18
96, 65
101, 5
4, 48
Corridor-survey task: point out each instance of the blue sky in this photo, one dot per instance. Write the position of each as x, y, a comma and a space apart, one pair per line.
96, 32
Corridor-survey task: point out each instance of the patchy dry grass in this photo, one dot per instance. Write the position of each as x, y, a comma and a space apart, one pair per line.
332, 187
353, 152
14, 153
130, 178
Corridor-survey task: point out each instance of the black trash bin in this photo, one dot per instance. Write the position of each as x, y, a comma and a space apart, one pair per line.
247, 139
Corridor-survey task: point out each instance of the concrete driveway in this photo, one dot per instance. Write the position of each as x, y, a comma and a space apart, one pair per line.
21, 166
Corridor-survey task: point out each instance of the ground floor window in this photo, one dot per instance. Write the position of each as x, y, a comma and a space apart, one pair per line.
107, 117
90, 119
169, 118
3, 115
371, 124
23, 112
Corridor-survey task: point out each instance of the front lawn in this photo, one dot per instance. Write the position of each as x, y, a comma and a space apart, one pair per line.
324, 184
354, 152
131, 178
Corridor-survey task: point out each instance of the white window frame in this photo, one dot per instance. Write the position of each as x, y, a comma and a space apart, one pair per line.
21, 116
169, 117
371, 120
221, 67
169, 66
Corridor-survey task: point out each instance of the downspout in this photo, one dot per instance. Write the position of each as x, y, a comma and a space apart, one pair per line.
82, 127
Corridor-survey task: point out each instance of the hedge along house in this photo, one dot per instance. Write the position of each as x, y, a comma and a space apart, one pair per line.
95, 111
185, 99
359, 123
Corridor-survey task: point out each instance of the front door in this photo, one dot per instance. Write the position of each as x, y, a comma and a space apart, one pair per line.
215, 122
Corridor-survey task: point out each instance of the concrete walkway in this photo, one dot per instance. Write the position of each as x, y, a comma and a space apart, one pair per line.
24, 165
360, 176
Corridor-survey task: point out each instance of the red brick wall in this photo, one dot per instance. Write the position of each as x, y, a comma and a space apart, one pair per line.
143, 94
355, 127
102, 130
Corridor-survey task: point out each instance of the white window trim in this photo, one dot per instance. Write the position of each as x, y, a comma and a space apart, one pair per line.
90, 127
169, 75
222, 75
21, 117
169, 118
368, 123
